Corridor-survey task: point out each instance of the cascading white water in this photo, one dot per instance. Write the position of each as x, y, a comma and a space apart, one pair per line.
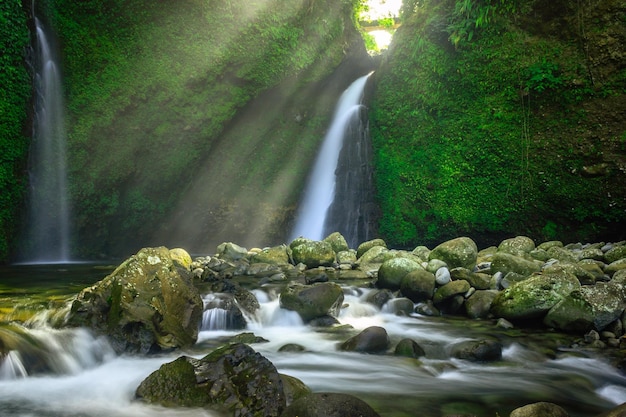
320, 190
48, 229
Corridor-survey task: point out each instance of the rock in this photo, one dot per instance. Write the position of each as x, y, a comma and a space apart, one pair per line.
329, 405
616, 253
461, 251
427, 308
478, 306
418, 285
366, 246
313, 300
147, 304
442, 276
583, 276
347, 257
450, 290
373, 339
337, 242
591, 253
231, 252
293, 388
233, 377
477, 350
181, 257
392, 272
400, 306
435, 265
505, 263
421, 252
313, 253
562, 254
615, 267
541, 409
409, 348
379, 297
534, 297
550, 244
477, 280
277, 255
587, 308
518, 246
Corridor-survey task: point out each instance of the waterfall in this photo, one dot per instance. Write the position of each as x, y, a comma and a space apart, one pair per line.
47, 234
333, 198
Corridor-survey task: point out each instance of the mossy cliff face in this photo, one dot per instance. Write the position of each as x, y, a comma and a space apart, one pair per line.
193, 122
497, 117
15, 92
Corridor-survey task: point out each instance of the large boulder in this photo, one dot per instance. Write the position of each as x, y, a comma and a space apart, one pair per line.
505, 263
313, 253
450, 289
479, 304
533, 297
477, 350
373, 339
147, 304
392, 271
233, 377
459, 252
588, 308
312, 301
329, 405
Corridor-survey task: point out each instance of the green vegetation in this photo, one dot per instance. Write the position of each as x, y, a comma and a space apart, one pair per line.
157, 93
476, 125
15, 88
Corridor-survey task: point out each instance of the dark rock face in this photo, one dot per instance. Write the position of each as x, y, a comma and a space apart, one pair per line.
329, 405
147, 304
312, 301
233, 377
371, 340
478, 350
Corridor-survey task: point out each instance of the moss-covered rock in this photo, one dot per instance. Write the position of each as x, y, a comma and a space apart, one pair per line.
276, 255
533, 297
505, 263
312, 301
373, 339
366, 246
233, 377
393, 271
313, 253
458, 252
330, 405
149, 303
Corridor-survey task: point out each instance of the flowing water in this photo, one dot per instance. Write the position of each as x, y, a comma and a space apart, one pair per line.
47, 235
77, 373
321, 188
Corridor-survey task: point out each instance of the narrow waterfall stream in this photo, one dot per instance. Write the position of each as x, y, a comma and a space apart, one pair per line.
312, 220
47, 236
72, 373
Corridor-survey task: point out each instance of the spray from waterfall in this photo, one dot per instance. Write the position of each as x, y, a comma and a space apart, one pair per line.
48, 226
339, 186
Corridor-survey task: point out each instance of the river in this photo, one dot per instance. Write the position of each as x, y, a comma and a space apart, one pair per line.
88, 379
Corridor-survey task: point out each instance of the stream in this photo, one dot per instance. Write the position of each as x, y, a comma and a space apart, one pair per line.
89, 379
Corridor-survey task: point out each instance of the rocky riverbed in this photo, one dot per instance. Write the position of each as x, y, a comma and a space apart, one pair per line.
159, 300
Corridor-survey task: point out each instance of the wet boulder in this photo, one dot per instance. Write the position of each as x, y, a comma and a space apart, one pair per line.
148, 304
312, 253
329, 405
231, 251
616, 253
409, 348
477, 350
588, 308
312, 301
533, 297
233, 377
373, 339
451, 289
459, 252
393, 270
540, 409
293, 388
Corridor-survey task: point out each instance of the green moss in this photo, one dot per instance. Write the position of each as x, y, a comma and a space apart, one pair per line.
15, 86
